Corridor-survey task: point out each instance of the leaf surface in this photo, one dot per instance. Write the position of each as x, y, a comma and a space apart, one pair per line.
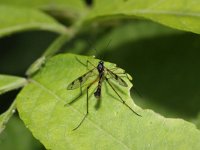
41, 105
179, 14
48, 4
8, 83
26, 19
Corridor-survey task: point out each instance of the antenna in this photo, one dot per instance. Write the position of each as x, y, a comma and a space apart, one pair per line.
107, 47
108, 43
90, 45
96, 51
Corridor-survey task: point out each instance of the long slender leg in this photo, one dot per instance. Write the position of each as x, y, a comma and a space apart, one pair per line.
80, 61
126, 76
122, 101
88, 62
74, 100
87, 106
85, 114
86, 65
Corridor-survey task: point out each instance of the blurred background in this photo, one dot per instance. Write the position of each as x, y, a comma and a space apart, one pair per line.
163, 62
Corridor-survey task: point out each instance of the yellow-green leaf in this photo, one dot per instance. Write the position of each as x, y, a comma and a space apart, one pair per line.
8, 83
179, 14
15, 19
65, 5
41, 105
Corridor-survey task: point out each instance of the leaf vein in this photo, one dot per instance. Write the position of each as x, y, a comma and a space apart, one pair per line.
60, 99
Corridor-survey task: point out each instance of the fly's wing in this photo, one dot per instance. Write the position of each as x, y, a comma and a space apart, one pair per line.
116, 78
80, 80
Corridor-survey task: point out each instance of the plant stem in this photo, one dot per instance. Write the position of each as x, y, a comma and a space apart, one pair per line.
4, 118
53, 48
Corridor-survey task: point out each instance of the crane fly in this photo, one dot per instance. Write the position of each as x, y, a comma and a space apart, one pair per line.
103, 74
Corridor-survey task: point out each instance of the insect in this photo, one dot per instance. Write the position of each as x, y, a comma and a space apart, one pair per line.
104, 74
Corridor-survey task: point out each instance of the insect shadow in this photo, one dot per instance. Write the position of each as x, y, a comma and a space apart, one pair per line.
102, 74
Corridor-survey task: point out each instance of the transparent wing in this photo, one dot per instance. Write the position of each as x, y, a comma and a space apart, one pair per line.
80, 80
117, 78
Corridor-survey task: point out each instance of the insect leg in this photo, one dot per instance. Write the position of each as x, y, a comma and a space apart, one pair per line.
122, 101
80, 61
126, 76
88, 62
87, 105
86, 65
74, 100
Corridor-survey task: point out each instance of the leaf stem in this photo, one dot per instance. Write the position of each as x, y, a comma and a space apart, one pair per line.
4, 118
54, 48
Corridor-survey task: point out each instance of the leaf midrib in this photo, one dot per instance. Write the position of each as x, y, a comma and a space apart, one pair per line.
156, 12
165, 12
43, 87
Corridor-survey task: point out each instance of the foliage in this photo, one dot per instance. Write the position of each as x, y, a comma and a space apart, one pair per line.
163, 61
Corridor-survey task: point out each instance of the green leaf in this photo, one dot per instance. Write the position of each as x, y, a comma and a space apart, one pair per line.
197, 121
26, 19
48, 4
8, 83
41, 105
4, 118
179, 14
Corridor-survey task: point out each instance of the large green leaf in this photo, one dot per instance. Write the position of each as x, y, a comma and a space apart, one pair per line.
178, 14
71, 5
111, 126
26, 19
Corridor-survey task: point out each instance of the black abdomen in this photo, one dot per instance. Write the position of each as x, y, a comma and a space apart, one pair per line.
97, 94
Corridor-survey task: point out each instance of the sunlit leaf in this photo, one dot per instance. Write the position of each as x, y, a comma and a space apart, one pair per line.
179, 14
26, 19
8, 83
67, 5
41, 105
